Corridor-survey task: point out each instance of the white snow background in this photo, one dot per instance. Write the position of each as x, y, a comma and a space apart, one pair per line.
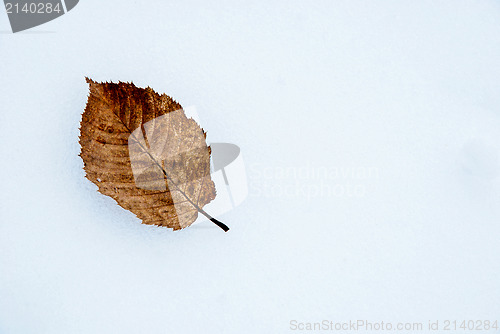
408, 90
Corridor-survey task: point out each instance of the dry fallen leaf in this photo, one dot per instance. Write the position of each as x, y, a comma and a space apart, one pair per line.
140, 149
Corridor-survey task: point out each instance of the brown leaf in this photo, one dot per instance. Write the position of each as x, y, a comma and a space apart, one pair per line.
140, 149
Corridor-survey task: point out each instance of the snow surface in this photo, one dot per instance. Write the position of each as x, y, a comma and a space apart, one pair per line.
370, 134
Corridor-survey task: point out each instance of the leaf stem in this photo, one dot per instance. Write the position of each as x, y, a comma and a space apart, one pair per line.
200, 210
